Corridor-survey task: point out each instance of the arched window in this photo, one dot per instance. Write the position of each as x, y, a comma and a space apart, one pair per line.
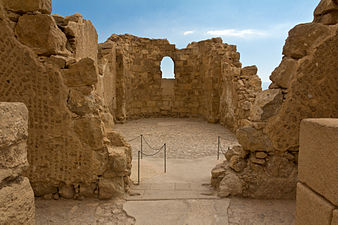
167, 68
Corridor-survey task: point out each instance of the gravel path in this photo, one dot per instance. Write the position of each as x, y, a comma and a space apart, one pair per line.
185, 138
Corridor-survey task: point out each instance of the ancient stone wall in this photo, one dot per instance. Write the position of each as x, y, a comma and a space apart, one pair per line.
203, 78
304, 85
317, 192
16, 194
50, 64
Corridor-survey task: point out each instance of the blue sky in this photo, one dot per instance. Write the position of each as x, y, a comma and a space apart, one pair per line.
258, 27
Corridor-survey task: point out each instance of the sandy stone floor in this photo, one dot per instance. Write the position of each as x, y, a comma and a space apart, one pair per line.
185, 138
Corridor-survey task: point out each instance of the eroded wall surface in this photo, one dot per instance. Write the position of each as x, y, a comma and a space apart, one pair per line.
50, 64
304, 85
209, 80
16, 194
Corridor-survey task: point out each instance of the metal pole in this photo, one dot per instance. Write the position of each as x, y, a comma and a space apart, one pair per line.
218, 143
138, 167
141, 146
165, 157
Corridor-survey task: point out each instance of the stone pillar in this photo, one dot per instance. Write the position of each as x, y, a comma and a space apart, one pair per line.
317, 189
16, 194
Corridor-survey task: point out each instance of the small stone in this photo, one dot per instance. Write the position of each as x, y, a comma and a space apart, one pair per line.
261, 155
56, 196
258, 161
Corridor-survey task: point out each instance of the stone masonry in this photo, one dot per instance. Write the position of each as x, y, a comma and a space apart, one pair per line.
317, 192
16, 194
304, 85
209, 81
50, 64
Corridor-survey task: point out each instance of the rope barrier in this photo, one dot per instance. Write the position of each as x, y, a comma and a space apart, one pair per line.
158, 151
133, 139
150, 146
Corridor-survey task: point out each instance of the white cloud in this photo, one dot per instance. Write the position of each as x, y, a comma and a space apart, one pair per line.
237, 33
188, 32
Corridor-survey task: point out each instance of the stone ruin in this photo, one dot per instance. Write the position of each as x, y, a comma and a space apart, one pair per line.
304, 85
50, 64
76, 89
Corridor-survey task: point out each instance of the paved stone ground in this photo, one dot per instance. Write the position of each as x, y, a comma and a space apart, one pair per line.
85, 212
183, 196
185, 138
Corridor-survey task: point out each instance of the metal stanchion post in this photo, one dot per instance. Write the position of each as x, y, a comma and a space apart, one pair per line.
138, 167
141, 145
165, 157
218, 143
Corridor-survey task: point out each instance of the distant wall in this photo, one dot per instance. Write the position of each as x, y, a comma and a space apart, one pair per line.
205, 84
317, 192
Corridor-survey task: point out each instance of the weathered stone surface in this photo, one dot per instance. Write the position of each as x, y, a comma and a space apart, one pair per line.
17, 203
261, 155
302, 38
311, 208
235, 150
90, 131
230, 185
82, 73
318, 156
253, 139
113, 187
266, 105
43, 35
237, 163
60, 149
326, 12
282, 74
66, 191
13, 123
82, 36
43, 6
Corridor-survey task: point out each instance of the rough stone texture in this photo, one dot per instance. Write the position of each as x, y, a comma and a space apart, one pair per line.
16, 195
318, 157
19, 6
81, 34
305, 86
52, 68
327, 12
203, 73
312, 209
43, 36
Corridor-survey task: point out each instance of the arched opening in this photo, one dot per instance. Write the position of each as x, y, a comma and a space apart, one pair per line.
167, 68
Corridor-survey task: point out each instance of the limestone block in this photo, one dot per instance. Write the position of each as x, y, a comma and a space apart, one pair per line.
312, 209
13, 123
82, 73
116, 139
253, 139
266, 105
17, 203
249, 70
88, 190
235, 150
41, 33
326, 12
318, 156
302, 38
25, 6
66, 191
83, 35
282, 74
112, 187
118, 159
237, 163
230, 185
335, 217
90, 131
79, 103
